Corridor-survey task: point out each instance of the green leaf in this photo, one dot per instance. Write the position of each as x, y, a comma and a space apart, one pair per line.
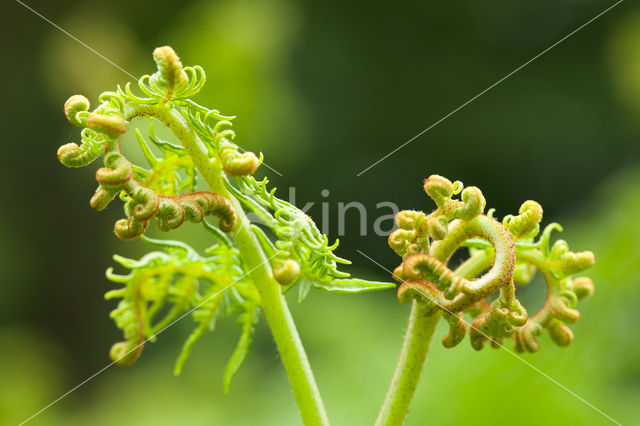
353, 285
303, 289
249, 319
206, 316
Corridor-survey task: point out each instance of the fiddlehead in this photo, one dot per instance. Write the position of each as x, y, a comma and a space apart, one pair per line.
170, 76
234, 163
426, 251
73, 108
527, 223
502, 256
143, 203
165, 284
557, 265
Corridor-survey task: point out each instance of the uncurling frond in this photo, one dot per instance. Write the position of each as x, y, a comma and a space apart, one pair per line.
502, 257
176, 280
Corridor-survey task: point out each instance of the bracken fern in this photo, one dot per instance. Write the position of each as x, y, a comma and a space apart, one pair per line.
502, 257
164, 285
249, 265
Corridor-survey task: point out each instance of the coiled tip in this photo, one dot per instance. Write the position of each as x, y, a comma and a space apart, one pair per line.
473, 204
527, 223
437, 227
170, 73
129, 229
70, 155
112, 126
125, 353
582, 287
438, 188
117, 170
399, 240
560, 333
102, 198
166, 59
409, 219
74, 105
244, 164
286, 271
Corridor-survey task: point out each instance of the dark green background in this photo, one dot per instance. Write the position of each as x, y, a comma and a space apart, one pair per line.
324, 89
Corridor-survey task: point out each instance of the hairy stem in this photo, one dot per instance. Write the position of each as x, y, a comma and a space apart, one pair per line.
422, 325
273, 303
423, 320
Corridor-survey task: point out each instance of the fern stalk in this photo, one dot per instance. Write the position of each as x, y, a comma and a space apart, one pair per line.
417, 340
273, 302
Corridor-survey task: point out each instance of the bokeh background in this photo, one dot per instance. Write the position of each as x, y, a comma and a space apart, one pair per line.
324, 89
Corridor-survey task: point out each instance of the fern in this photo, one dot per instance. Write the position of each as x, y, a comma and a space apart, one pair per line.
237, 275
502, 257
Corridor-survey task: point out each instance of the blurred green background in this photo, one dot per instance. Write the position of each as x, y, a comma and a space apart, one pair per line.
324, 89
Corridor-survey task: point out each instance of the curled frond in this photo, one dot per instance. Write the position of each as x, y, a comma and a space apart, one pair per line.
74, 105
563, 293
440, 189
72, 155
117, 170
429, 267
457, 329
144, 203
423, 291
112, 126
125, 353
400, 239
527, 223
502, 256
170, 214
286, 271
234, 163
171, 82
473, 204
560, 333
410, 219
582, 287
129, 229
102, 197
216, 205
170, 75
526, 337
567, 262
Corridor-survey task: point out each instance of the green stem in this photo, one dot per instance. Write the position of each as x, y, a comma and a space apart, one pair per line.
273, 303
423, 320
422, 325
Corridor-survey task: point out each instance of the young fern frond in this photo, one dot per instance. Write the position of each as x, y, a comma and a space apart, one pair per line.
237, 275
164, 285
501, 257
